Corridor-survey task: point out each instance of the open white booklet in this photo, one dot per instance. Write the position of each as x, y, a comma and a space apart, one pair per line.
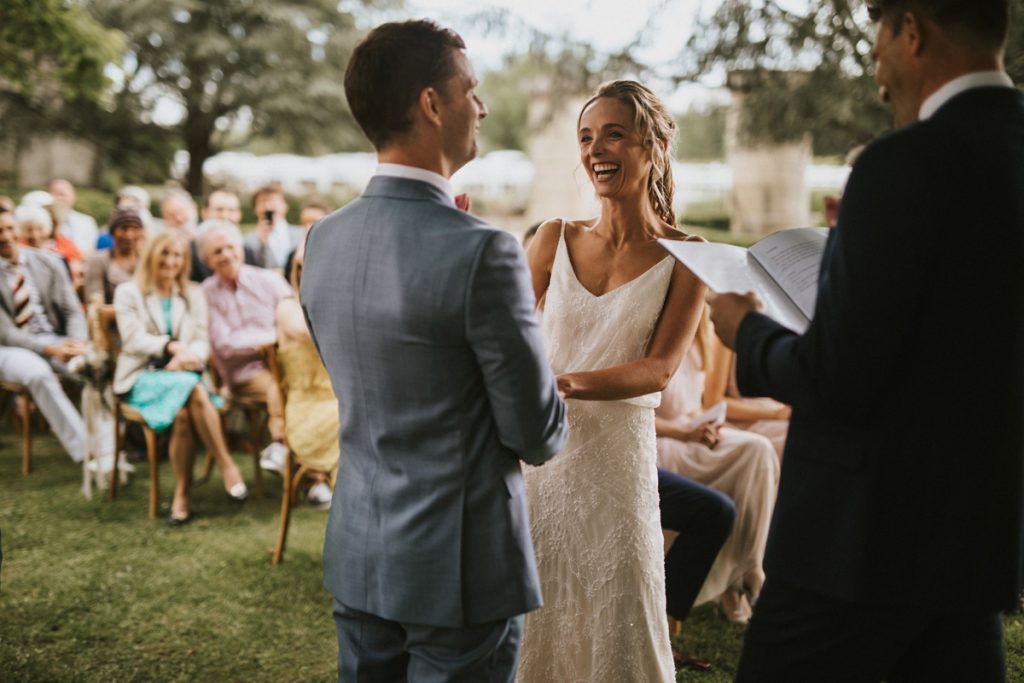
714, 415
782, 269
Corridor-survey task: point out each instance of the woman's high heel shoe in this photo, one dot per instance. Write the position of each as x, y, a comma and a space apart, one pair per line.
734, 606
239, 492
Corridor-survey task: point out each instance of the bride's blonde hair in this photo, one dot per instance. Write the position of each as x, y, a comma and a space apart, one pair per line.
657, 130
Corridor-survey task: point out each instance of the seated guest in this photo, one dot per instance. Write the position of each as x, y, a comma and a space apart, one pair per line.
178, 211
130, 197
221, 205
764, 416
273, 239
224, 205
699, 520
313, 209
108, 268
311, 412
162, 319
39, 232
242, 301
76, 226
739, 464
41, 329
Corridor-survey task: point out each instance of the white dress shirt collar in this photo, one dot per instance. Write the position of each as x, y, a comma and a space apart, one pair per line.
977, 79
415, 173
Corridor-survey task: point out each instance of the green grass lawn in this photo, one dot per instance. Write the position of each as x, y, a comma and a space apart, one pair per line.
93, 591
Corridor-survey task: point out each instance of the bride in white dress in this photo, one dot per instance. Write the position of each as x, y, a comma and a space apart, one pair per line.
617, 315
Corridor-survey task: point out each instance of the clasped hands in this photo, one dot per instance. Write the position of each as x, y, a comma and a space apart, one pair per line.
182, 358
728, 311
65, 349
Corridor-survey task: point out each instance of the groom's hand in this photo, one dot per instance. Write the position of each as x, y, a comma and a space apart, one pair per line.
728, 311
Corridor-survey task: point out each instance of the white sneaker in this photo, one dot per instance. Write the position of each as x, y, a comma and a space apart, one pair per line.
106, 463
273, 457
320, 495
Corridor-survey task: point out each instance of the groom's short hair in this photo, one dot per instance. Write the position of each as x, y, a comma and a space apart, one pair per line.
981, 24
390, 68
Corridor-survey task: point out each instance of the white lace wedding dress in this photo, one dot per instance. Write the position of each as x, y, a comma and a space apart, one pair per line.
594, 507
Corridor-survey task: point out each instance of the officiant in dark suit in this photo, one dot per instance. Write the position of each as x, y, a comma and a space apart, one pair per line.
896, 539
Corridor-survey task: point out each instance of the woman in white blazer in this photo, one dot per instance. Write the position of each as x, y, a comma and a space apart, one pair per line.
161, 318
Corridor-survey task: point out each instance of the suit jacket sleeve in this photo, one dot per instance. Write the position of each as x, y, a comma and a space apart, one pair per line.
873, 274
130, 307
12, 335
502, 330
200, 342
256, 249
67, 301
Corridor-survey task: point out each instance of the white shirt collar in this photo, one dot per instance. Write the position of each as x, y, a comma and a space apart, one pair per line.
415, 173
977, 79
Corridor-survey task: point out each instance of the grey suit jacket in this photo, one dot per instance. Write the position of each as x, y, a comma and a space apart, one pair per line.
263, 256
424, 317
57, 296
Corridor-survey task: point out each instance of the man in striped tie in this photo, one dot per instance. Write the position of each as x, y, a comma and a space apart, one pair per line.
41, 329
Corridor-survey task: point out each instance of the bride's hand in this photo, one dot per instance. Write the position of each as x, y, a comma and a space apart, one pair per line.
566, 387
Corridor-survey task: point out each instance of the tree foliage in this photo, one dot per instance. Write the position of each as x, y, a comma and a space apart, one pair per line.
808, 71
800, 72
238, 69
701, 135
53, 49
523, 94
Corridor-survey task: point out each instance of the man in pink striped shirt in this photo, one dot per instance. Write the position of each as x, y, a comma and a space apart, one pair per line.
242, 302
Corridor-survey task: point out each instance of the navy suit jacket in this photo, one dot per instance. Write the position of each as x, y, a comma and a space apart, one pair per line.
902, 478
424, 317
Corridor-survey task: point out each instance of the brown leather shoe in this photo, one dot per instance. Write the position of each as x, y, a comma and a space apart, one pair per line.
689, 661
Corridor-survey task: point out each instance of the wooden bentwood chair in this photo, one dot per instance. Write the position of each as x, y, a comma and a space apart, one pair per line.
293, 473
124, 413
24, 421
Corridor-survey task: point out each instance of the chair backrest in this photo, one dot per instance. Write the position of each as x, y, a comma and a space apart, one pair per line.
269, 352
103, 328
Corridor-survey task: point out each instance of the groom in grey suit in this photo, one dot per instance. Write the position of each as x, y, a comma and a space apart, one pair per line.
424, 318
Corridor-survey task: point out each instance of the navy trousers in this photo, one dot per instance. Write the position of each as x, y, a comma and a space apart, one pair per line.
797, 636
703, 518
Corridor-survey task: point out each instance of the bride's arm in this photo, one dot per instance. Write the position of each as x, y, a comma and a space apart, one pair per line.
540, 254
672, 337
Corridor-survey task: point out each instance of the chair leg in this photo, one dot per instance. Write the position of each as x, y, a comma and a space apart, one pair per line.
154, 471
26, 433
286, 509
255, 430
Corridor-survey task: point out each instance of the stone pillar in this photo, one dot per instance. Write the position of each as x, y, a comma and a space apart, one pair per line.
769, 191
561, 188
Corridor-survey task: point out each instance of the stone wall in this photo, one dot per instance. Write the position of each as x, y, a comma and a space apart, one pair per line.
36, 161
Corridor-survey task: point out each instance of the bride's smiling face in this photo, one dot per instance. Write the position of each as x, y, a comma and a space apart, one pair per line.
611, 149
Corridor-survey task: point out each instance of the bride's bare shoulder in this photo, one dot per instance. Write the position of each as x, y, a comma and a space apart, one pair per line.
540, 249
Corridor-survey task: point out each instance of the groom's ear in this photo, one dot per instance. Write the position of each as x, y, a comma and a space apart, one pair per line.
429, 104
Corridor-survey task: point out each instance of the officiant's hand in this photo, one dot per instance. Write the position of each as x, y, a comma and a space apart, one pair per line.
728, 311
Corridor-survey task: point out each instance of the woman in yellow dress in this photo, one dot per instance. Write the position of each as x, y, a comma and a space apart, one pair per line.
311, 408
